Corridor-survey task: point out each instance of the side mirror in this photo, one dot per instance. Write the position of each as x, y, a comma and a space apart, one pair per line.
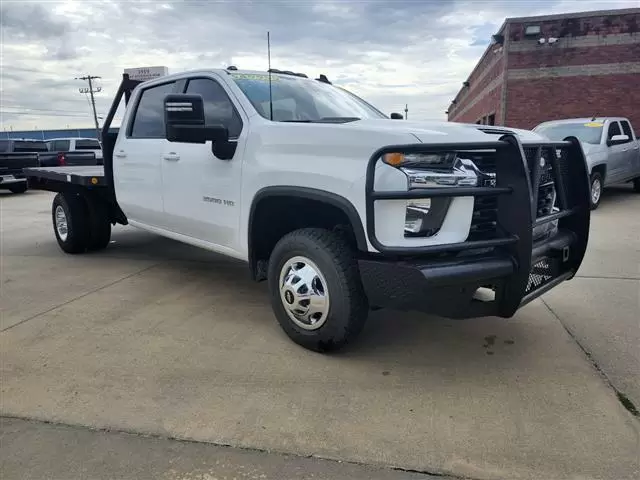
618, 139
184, 121
396, 116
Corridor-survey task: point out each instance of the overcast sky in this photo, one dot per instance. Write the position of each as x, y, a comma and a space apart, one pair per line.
392, 53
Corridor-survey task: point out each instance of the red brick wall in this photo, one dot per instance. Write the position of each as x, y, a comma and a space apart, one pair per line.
477, 83
551, 56
530, 102
580, 27
570, 83
487, 105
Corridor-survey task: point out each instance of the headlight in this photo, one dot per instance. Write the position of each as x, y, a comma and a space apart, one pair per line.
429, 170
439, 161
424, 217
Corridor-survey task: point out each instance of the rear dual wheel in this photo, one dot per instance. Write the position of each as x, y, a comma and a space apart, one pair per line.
80, 224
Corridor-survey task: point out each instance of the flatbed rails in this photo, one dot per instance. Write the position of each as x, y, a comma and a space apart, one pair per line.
51, 178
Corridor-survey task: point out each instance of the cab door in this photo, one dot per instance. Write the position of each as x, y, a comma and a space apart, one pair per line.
631, 151
201, 192
617, 157
137, 157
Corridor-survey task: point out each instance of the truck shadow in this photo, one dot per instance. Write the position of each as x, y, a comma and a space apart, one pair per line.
616, 196
418, 336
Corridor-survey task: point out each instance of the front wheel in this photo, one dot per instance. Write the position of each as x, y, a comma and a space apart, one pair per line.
596, 189
315, 289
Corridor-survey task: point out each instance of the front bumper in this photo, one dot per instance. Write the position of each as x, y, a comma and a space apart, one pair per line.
499, 273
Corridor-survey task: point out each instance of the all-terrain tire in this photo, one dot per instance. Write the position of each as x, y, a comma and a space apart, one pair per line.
595, 182
20, 188
636, 185
348, 307
70, 222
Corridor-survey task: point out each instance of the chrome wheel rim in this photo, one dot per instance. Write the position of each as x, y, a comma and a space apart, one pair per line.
596, 191
304, 293
62, 226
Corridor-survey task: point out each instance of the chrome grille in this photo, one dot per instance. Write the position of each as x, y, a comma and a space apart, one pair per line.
546, 186
485, 209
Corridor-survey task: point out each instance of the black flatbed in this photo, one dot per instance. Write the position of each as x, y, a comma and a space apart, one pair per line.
81, 175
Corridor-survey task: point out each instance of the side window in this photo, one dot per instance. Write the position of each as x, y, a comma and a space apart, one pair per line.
4, 146
614, 129
148, 120
626, 129
218, 107
61, 146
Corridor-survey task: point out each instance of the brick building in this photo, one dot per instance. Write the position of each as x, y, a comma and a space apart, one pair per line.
556, 66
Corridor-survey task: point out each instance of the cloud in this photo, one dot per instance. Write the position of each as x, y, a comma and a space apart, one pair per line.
390, 52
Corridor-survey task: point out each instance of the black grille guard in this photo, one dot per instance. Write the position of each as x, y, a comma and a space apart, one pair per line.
537, 266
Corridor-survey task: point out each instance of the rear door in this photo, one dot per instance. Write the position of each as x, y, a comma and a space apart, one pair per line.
617, 160
201, 192
137, 157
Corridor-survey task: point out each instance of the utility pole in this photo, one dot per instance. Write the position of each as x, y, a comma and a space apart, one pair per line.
91, 91
406, 111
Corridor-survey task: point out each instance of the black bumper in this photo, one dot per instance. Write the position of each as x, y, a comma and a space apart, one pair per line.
505, 268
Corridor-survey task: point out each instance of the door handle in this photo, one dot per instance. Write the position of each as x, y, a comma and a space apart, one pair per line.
120, 154
171, 157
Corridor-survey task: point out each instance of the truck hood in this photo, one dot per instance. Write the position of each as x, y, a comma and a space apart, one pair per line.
446, 132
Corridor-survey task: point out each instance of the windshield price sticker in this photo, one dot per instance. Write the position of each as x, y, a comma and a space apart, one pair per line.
255, 76
594, 124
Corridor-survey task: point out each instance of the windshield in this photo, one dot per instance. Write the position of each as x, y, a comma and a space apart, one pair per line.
297, 99
588, 132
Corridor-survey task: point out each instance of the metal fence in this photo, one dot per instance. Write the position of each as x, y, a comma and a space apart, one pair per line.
49, 134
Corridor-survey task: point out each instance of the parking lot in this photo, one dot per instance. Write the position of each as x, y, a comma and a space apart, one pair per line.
157, 338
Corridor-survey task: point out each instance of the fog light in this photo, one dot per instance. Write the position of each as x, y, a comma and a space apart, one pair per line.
424, 217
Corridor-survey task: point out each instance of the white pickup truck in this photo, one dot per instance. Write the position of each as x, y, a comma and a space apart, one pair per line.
339, 207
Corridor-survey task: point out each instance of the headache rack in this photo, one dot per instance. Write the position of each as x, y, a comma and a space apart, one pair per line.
536, 187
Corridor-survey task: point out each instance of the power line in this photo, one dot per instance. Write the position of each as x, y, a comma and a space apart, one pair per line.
35, 109
91, 91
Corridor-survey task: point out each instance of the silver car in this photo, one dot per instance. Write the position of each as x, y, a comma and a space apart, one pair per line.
610, 146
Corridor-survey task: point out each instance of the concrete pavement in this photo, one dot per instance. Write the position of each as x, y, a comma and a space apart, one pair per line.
601, 307
33, 450
158, 338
